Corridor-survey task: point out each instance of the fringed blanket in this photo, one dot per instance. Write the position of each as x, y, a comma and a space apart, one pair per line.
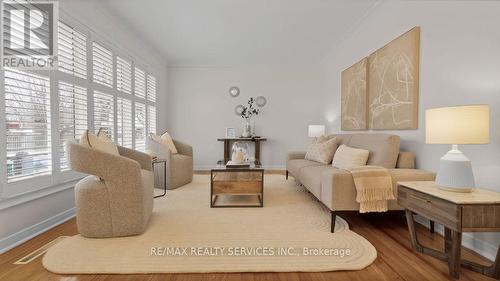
374, 188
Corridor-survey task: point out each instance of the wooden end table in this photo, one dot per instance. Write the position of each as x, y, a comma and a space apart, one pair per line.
478, 211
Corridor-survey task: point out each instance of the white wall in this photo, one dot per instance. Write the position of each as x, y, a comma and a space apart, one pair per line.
24, 220
459, 64
200, 107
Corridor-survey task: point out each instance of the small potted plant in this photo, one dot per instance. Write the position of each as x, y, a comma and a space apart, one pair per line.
247, 113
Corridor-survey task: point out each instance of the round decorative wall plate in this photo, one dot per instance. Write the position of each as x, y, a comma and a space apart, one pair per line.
234, 91
238, 110
260, 101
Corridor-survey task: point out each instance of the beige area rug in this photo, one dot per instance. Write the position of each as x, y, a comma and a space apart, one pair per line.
269, 239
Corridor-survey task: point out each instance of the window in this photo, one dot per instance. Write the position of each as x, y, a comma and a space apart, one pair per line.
152, 119
72, 51
103, 113
151, 88
102, 65
140, 126
123, 75
72, 116
140, 83
93, 87
124, 120
27, 113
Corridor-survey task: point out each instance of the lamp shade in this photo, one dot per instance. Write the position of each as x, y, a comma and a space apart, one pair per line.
469, 124
316, 130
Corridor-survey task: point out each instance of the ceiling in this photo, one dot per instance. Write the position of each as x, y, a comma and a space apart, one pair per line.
241, 32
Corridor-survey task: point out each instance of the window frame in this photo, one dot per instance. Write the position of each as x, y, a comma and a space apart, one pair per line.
31, 188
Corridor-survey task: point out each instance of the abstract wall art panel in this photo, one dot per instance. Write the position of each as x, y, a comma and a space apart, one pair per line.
393, 80
354, 99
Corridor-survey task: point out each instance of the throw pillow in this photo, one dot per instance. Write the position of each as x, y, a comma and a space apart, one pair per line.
167, 139
348, 157
100, 142
322, 151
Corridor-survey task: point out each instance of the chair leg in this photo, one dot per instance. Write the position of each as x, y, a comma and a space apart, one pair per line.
334, 216
286, 175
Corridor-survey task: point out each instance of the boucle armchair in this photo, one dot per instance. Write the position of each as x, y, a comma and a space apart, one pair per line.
117, 198
179, 165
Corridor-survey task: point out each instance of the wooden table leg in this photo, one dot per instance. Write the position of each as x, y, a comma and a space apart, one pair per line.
226, 151
454, 254
413, 234
447, 240
257, 152
494, 270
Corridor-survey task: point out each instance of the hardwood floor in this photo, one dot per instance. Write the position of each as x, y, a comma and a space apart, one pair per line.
387, 232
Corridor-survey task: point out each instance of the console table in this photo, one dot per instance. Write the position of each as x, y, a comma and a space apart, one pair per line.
477, 211
227, 147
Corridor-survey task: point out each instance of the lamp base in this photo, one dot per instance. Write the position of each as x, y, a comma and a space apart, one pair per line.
455, 172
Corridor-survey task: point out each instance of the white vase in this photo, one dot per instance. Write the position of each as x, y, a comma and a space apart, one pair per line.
247, 129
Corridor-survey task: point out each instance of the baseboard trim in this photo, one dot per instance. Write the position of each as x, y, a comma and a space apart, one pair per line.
481, 247
30, 232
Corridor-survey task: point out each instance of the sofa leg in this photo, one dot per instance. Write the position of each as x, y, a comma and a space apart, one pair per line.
286, 175
334, 216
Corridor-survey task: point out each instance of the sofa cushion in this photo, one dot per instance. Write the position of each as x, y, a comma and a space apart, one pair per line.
100, 142
295, 165
310, 177
384, 148
348, 157
322, 151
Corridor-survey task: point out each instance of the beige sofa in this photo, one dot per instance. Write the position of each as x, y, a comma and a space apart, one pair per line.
117, 198
335, 187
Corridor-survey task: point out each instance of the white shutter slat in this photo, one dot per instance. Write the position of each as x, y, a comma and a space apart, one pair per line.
140, 83
28, 139
152, 119
104, 112
102, 59
72, 51
140, 126
151, 88
123, 75
72, 116
124, 121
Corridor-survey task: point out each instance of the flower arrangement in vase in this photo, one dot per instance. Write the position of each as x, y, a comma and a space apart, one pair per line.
247, 113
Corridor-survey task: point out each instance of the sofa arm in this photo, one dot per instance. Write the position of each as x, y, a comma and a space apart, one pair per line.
144, 159
406, 160
183, 148
411, 175
295, 155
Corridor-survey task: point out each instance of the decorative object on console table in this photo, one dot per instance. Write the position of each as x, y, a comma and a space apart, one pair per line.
354, 97
230, 133
248, 113
455, 125
457, 212
393, 84
227, 147
314, 131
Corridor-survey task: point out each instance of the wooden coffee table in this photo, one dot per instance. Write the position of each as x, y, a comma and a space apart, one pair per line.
235, 187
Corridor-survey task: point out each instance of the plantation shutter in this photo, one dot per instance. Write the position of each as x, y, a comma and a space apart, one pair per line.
103, 113
124, 120
151, 90
27, 113
72, 51
72, 116
152, 119
140, 126
102, 59
140, 83
123, 75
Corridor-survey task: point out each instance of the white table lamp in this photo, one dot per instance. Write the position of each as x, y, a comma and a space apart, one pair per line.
316, 130
469, 124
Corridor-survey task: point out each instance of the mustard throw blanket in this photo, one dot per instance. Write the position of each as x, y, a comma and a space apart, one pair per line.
374, 188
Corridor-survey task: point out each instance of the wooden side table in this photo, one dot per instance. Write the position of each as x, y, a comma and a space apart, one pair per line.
478, 211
